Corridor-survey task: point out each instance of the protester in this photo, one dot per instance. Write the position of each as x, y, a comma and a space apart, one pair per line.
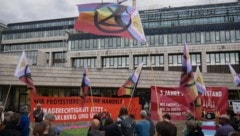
11, 128
165, 128
113, 130
152, 126
1, 116
234, 133
233, 120
41, 129
143, 126
49, 119
38, 113
24, 122
95, 126
189, 117
126, 123
225, 129
166, 117
194, 128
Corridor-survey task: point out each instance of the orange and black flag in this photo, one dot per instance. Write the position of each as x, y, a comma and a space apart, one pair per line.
110, 19
23, 73
85, 86
130, 85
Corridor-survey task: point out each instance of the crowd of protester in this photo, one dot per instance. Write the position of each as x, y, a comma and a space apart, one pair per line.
18, 124
126, 125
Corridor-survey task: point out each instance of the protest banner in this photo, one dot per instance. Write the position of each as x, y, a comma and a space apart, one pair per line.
171, 101
70, 109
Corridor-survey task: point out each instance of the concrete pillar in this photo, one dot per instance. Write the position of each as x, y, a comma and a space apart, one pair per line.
99, 61
204, 61
50, 59
165, 60
130, 61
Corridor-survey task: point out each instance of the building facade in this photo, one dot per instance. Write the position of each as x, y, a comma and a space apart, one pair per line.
58, 53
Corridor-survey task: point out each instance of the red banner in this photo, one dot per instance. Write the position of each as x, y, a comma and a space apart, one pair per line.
70, 109
171, 101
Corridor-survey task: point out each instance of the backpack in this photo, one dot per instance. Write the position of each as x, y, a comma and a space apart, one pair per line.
127, 126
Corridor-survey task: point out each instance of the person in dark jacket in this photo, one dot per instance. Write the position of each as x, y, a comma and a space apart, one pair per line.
11, 128
152, 126
24, 122
193, 128
95, 128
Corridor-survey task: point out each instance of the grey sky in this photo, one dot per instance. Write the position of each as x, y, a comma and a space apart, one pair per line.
12, 11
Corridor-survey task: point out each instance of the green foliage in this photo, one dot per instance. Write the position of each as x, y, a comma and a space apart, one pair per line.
74, 132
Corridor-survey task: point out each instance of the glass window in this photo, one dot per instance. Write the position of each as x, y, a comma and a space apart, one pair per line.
227, 58
237, 34
179, 38
161, 40
119, 61
227, 35
232, 58
188, 38
212, 58
217, 36
170, 40
118, 42
207, 36
170, 59
198, 37
152, 40
217, 56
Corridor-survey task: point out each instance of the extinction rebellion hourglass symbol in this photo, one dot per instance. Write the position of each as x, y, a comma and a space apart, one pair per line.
113, 22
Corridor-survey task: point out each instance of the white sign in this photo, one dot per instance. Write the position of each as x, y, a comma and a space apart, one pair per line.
236, 107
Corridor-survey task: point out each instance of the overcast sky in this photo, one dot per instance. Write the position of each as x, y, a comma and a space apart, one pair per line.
12, 11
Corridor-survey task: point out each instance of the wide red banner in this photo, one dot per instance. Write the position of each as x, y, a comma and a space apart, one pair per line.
172, 101
71, 109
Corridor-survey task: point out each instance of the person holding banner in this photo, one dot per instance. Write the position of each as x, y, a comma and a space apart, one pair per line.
38, 113
143, 126
224, 128
1, 116
165, 128
126, 124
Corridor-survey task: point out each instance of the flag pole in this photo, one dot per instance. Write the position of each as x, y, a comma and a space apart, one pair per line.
238, 92
135, 85
131, 95
153, 75
9, 89
91, 96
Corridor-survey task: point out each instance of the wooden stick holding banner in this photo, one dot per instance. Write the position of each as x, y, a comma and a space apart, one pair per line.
9, 89
91, 96
153, 75
134, 88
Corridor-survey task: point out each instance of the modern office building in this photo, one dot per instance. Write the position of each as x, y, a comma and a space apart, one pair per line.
58, 53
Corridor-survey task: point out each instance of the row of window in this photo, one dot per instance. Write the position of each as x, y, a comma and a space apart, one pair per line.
42, 24
174, 60
187, 22
36, 34
193, 16
116, 62
212, 37
34, 46
81, 62
222, 58
30, 54
189, 12
153, 40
